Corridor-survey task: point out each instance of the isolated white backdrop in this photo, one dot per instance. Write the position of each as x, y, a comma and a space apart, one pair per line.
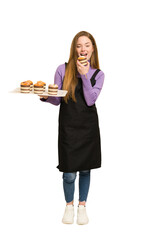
123, 201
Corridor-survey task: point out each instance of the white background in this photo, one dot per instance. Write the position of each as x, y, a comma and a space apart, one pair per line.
124, 197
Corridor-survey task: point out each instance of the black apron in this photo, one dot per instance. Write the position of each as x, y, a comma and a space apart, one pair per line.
79, 146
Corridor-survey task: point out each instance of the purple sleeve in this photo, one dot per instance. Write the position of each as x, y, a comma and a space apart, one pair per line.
91, 93
58, 79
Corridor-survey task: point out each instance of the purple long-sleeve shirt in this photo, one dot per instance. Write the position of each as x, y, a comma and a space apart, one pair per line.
90, 93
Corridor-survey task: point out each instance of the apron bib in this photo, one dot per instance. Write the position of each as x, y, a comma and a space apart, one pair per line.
79, 146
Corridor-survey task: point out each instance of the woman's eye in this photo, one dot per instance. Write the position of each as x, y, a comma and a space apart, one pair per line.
78, 46
87, 46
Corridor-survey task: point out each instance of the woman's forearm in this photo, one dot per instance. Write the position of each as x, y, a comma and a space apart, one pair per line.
57, 80
91, 93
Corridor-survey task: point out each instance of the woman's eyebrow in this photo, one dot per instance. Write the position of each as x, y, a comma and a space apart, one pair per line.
85, 43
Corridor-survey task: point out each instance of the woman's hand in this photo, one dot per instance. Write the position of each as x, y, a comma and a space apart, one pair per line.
42, 97
82, 69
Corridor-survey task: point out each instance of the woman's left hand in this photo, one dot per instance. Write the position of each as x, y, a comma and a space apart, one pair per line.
82, 69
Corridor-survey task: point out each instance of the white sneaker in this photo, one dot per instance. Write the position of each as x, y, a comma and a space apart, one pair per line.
68, 217
82, 217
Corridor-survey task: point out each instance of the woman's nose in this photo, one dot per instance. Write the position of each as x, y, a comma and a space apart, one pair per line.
83, 48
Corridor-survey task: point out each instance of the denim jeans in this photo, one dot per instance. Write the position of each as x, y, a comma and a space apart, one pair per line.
69, 185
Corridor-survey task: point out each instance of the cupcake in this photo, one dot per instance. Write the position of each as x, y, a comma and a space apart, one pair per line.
52, 89
83, 60
38, 88
25, 87
44, 84
31, 84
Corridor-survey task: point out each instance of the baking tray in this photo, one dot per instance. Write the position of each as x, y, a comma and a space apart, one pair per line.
60, 93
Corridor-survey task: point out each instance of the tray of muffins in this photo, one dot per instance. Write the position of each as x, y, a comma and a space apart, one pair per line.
39, 88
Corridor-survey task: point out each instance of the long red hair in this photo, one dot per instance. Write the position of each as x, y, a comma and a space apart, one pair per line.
70, 79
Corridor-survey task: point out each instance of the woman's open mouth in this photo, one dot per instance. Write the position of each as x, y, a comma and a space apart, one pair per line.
83, 54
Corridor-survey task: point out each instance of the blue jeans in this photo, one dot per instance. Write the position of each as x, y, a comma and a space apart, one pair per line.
69, 185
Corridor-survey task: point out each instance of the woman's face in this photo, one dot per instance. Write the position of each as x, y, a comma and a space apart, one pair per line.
84, 47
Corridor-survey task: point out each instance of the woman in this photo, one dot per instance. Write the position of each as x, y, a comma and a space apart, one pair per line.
79, 145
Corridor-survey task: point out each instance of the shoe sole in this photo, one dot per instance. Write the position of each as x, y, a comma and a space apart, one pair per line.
79, 223
67, 222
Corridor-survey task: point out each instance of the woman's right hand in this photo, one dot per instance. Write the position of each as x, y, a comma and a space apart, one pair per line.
42, 97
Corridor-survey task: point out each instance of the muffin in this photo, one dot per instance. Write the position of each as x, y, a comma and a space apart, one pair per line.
52, 89
31, 84
25, 87
44, 84
38, 88
83, 60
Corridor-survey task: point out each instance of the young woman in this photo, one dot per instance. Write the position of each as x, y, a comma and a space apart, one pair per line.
79, 146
